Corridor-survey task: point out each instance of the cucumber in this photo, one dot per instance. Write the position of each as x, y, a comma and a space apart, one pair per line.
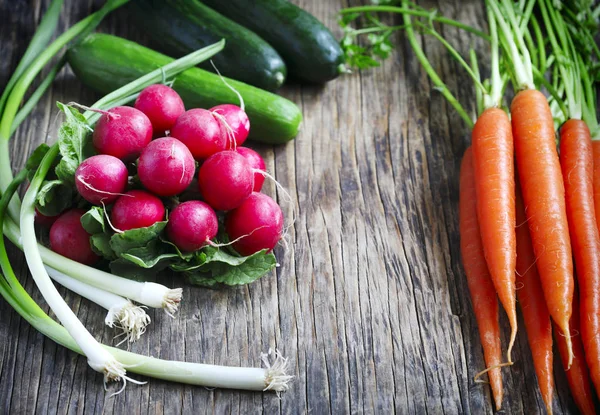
105, 63
179, 27
309, 50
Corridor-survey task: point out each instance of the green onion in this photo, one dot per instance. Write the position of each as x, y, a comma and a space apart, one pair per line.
24, 81
36, 46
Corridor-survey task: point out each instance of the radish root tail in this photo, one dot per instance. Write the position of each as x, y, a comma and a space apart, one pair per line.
230, 133
89, 186
217, 245
229, 86
117, 230
98, 110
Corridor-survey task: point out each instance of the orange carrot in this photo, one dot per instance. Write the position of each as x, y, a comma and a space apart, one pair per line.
577, 167
533, 306
596, 156
544, 196
483, 294
578, 375
493, 161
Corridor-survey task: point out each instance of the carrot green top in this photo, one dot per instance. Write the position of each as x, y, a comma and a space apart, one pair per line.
574, 80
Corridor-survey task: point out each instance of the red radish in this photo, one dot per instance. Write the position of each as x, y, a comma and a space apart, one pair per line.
257, 223
101, 179
200, 132
43, 220
69, 239
225, 180
257, 163
237, 121
166, 167
162, 105
191, 225
122, 133
136, 209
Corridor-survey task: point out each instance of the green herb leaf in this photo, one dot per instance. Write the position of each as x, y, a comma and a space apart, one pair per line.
144, 248
100, 243
36, 157
127, 269
93, 220
347, 18
72, 142
154, 254
54, 197
124, 242
223, 268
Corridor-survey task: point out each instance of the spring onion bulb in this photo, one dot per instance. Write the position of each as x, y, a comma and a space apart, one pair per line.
131, 319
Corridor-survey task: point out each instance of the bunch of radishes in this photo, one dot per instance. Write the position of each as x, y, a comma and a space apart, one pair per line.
162, 143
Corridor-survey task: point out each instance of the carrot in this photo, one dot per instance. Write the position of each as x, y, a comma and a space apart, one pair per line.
577, 166
578, 375
481, 288
533, 306
596, 180
493, 161
544, 196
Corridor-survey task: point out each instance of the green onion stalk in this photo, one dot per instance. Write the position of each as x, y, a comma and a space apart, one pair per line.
14, 95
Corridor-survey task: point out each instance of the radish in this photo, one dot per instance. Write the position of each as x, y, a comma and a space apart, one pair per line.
234, 121
122, 132
101, 179
136, 209
226, 179
255, 225
162, 105
192, 225
257, 163
166, 167
200, 132
43, 220
69, 239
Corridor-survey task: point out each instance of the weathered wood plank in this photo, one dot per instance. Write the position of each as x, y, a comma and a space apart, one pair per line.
369, 302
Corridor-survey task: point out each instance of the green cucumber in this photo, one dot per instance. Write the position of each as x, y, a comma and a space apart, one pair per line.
105, 63
309, 50
179, 27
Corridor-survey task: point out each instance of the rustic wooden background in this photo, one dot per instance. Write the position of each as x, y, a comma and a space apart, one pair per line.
370, 302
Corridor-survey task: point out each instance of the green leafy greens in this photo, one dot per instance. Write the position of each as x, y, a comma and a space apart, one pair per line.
141, 253
73, 143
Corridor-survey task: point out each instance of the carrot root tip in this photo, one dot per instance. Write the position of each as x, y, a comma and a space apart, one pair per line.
483, 372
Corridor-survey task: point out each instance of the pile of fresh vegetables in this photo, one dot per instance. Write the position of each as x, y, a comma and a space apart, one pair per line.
136, 205
527, 208
153, 177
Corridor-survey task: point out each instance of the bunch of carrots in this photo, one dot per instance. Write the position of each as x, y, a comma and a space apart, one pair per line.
529, 211
527, 226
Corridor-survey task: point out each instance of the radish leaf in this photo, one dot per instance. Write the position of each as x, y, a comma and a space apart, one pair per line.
72, 143
135, 238
100, 243
36, 157
54, 197
93, 221
222, 268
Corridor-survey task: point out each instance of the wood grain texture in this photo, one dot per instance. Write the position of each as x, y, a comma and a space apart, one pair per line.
370, 302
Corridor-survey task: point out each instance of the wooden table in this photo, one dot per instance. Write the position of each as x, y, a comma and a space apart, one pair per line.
370, 302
